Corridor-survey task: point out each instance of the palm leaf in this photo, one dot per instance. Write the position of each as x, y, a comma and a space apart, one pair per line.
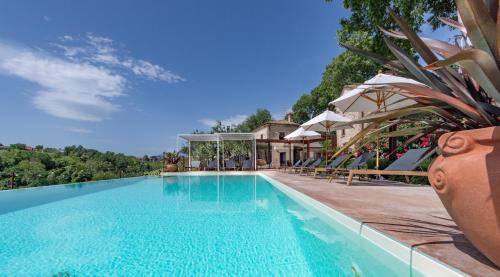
480, 65
480, 27
443, 48
412, 90
454, 24
414, 68
392, 65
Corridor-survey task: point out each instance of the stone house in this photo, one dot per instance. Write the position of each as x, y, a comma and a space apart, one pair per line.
275, 150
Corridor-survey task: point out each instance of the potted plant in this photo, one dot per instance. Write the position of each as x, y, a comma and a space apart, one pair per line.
460, 105
171, 160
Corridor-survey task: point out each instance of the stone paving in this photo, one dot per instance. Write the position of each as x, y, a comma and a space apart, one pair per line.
411, 214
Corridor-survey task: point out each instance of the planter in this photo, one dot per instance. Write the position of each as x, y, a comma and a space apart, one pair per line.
171, 168
466, 176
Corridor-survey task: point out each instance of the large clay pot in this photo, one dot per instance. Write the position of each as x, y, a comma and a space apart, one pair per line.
466, 176
171, 168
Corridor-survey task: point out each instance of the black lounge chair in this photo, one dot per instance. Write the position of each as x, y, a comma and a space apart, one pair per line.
404, 166
195, 165
311, 167
295, 165
247, 165
356, 164
332, 165
230, 165
212, 165
307, 162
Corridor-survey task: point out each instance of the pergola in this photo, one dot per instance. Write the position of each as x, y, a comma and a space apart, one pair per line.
219, 138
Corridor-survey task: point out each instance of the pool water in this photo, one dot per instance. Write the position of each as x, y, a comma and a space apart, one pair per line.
178, 226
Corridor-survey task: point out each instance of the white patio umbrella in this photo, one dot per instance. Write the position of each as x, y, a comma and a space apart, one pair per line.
375, 95
325, 122
302, 134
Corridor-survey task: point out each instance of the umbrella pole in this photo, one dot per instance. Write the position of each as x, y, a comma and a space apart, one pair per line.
378, 153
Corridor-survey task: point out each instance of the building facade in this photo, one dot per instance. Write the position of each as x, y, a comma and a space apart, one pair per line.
275, 151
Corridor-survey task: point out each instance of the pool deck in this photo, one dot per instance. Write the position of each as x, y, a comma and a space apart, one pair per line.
413, 215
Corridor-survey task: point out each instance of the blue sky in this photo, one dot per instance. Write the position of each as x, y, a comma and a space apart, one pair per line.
127, 76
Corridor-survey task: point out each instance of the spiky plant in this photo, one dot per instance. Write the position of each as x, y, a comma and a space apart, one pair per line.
462, 80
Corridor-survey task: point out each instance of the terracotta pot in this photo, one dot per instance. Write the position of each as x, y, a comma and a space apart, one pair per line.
466, 176
171, 168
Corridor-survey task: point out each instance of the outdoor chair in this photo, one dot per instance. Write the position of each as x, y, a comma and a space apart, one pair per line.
247, 165
195, 165
296, 169
230, 165
331, 166
356, 164
404, 166
310, 168
212, 165
297, 164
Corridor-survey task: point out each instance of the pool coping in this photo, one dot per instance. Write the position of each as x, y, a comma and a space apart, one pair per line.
416, 259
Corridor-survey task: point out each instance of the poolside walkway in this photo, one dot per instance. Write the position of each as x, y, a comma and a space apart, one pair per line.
411, 214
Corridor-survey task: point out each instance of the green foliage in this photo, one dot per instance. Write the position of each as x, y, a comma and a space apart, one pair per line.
345, 69
172, 157
47, 166
367, 15
255, 120
361, 30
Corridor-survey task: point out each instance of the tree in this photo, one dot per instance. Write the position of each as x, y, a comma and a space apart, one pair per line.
261, 116
347, 68
361, 30
368, 15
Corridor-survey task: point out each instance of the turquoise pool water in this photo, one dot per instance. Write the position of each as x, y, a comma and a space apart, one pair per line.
178, 226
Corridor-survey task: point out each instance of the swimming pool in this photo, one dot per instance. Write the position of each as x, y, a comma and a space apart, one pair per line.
243, 225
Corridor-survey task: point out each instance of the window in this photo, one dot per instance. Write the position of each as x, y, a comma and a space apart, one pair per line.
282, 135
342, 133
261, 136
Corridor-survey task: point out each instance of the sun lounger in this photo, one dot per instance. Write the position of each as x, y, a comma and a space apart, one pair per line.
404, 166
247, 165
331, 166
297, 164
195, 165
304, 164
230, 165
310, 168
212, 165
356, 164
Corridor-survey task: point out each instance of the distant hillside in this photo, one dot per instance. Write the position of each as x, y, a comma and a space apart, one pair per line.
41, 166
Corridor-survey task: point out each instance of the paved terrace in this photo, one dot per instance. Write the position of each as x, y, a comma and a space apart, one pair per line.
411, 214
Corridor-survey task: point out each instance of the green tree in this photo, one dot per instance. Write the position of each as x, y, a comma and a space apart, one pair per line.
361, 30
261, 116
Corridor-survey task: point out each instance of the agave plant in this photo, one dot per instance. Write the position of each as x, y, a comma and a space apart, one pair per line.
172, 157
462, 78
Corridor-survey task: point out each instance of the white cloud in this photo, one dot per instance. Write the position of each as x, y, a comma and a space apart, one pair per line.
82, 80
46, 18
79, 130
231, 121
67, 89
101, 50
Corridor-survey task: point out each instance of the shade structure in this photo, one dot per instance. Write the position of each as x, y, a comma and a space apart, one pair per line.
302, 134
375, 95
220, 138
325, 122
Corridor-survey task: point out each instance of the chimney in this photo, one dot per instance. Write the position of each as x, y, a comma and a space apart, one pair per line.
289, 117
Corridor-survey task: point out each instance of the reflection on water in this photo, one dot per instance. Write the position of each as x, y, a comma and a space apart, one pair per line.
214, 193
18, 199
